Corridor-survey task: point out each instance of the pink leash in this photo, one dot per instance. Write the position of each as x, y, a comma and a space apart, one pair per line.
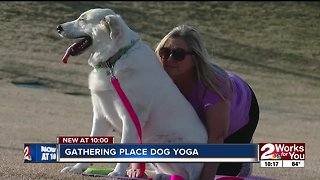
136, 122
132, 114
128, 106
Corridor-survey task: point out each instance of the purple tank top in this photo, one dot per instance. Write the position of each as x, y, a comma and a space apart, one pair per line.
201, 98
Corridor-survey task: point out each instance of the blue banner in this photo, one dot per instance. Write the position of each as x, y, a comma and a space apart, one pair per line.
40, 153
158, 153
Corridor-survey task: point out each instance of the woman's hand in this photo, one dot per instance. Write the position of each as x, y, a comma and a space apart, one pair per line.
134, 173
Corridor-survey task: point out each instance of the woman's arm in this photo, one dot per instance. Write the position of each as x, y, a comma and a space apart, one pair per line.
217, 124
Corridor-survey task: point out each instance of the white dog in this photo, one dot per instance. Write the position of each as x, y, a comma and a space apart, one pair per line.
164, 114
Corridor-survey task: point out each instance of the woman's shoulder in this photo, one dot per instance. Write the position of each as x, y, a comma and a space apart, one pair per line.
234, 76
203, 97
237, 81
207, 95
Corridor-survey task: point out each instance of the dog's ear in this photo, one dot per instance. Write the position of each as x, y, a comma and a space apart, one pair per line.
112, 23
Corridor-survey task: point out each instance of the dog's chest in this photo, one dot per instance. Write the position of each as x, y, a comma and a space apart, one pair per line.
105, 99
99, 80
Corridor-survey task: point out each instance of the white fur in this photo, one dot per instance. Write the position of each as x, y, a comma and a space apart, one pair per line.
165, 115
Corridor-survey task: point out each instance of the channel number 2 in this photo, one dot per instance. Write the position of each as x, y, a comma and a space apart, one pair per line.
269, 153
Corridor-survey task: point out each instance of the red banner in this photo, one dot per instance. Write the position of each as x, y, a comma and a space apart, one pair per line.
85, 140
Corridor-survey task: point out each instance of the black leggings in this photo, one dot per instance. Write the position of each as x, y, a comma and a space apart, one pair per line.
243, 135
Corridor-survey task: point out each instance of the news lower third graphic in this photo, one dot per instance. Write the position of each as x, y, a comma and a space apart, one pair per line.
282, 154
157, 153
102, 149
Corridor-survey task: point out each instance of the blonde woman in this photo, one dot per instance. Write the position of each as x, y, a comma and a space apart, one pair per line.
224, 102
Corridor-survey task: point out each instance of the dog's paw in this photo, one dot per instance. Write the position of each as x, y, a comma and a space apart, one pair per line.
115, 173
71, 169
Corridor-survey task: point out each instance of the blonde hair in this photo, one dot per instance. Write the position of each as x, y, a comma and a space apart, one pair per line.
213, 76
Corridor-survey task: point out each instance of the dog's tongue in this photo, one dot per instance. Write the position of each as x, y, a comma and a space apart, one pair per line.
67, 54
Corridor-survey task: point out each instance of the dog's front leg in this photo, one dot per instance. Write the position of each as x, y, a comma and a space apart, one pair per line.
99, 128
129, 136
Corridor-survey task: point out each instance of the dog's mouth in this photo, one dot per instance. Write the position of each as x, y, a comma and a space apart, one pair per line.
77, 48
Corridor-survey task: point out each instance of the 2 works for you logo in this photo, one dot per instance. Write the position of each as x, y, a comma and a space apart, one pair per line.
282, 151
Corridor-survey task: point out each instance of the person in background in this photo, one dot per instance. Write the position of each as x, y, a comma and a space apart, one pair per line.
225, 103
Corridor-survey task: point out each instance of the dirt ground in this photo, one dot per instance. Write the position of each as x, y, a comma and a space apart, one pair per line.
30, 115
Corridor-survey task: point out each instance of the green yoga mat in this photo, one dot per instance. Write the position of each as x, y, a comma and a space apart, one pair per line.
97, 170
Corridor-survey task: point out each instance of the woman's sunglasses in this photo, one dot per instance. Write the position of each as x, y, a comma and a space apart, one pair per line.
178, 54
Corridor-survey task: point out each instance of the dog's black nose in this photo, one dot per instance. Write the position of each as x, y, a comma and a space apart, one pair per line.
59, 28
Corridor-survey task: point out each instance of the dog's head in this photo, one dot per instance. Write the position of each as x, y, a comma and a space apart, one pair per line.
100, 30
